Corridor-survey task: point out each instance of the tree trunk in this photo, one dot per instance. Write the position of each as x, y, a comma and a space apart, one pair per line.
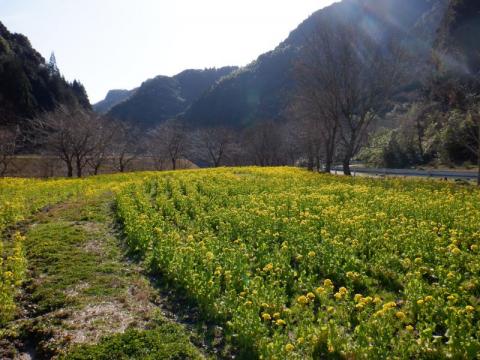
328, 166
310, 163
69, 169
79, 169
478, 161
346, 166
317, 163
478, 152
174, 164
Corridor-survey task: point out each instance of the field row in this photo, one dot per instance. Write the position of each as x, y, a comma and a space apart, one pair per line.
19, 198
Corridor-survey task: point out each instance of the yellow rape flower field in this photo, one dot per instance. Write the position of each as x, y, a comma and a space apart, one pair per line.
294, 265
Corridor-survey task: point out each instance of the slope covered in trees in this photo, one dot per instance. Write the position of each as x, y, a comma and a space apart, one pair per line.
114, 97
441, 124
164, 97
262, 89
30, 85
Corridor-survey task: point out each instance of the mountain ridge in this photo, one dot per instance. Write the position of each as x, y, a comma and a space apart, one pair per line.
163, 97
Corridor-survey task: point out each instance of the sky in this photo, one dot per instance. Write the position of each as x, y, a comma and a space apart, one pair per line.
118, 44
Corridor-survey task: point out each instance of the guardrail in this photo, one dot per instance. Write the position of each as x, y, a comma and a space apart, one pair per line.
411, 172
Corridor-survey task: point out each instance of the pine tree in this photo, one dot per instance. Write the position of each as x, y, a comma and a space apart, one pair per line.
52, 66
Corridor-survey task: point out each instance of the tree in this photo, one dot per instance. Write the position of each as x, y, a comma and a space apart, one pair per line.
263, 143
170, 140
69, 133
126, 145
102, 143
472, 127
52, 66
8, 146
316, 104
346, 79
214, 144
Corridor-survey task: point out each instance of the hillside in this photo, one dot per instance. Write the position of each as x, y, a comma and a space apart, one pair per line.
28, 85
261, 90
164, 97
114, 97
457, 39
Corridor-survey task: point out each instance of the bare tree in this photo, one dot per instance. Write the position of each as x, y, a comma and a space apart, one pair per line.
345, 80
369, 74
68, 133
126, 145
170, 140
8, 146
214, 144
316, 104
103, 144
292, 142
263, 144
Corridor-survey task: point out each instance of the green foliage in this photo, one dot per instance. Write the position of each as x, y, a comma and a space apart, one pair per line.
164, 341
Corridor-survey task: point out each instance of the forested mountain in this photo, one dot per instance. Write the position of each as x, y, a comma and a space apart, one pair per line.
164, 97
114, 97
457, 39
437, 125
261, 90
30, 85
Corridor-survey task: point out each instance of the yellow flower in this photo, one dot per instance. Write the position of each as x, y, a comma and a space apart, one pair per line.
276, 315
357, 297
289, 347
330, 309
456, 251
428, 298
343, 290
377, 300
268, 267
469, 309
300, 340
474, 247
266, 316
281, 322
327, 282
302, 299
210, 255
420, 302
311, 254
389, 305
320, 290
311, 295
409, 328
400, 315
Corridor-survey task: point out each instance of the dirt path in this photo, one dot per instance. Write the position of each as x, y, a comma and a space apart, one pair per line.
83, 290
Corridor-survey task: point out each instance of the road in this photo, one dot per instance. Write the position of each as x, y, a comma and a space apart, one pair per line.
449, 174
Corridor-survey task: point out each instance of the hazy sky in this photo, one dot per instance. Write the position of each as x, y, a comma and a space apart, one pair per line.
110, 44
